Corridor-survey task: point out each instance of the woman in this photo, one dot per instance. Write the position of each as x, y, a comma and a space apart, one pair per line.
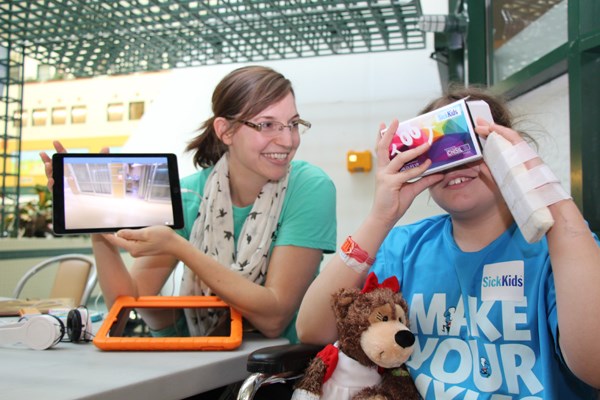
473, 342
256, 223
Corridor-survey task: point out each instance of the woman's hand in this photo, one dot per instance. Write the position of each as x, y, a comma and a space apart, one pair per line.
395, 190
150, 241
48, 161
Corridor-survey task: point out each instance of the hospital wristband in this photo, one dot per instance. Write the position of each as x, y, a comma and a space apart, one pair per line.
355, 257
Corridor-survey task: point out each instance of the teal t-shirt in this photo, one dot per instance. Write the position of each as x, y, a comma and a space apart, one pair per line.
307, 219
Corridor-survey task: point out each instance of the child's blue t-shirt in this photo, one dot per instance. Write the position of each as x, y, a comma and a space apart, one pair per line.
485, 322
307, 219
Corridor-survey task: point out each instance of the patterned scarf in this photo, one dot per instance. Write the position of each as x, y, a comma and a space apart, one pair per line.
212, 233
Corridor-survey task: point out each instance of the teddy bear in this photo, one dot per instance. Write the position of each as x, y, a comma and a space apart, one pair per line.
367, 361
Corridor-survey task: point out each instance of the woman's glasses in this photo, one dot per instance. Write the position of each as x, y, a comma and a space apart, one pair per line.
274, 128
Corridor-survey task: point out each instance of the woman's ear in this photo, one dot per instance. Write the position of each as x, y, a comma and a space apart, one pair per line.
222, 129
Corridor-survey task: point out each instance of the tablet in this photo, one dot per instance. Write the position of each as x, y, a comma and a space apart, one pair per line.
95, 193
123, 328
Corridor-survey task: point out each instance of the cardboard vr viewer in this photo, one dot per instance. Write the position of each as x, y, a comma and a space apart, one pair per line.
449, 130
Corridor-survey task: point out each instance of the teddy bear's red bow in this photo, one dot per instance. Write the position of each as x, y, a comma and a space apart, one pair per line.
372, 283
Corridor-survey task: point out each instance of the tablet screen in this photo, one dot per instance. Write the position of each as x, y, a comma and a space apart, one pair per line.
108, 192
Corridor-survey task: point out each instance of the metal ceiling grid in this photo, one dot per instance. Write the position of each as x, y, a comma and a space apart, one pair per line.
92, 37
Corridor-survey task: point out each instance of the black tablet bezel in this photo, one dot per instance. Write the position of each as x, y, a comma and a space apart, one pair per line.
58, 198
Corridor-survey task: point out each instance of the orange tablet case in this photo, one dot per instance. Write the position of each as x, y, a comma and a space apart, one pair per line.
104, 341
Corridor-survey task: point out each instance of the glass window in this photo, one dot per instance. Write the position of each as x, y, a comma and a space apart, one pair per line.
59, 115
19, 118
38, 117
114, 112
136, 110
93, 178
78, 114
524, 31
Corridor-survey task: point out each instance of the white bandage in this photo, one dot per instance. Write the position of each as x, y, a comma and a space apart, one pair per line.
528, 193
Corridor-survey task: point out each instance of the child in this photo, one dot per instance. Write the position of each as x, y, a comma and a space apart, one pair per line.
494, 316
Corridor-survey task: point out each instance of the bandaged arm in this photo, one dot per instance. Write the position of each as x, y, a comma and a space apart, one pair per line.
527, 192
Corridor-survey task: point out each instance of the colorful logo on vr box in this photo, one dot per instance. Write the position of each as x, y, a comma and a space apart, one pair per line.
407, 138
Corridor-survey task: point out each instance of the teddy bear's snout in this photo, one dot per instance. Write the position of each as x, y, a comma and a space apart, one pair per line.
404, 338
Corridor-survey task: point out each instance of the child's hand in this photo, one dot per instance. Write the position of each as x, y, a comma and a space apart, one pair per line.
395, 189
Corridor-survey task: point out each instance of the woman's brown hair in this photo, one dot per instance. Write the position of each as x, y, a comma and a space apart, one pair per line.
241, 95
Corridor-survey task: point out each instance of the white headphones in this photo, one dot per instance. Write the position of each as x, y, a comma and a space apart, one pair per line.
38, 332
44, 331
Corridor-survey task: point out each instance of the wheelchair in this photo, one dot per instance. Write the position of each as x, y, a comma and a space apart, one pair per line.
282, 364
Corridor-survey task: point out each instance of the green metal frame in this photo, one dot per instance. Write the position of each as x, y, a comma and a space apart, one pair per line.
11, 93
580, 59
478, 43
584, 98
548, 67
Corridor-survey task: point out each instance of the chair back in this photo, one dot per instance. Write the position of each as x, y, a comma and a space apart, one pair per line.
75, 277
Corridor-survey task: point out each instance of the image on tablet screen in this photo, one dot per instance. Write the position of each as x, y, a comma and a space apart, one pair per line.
109, 192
